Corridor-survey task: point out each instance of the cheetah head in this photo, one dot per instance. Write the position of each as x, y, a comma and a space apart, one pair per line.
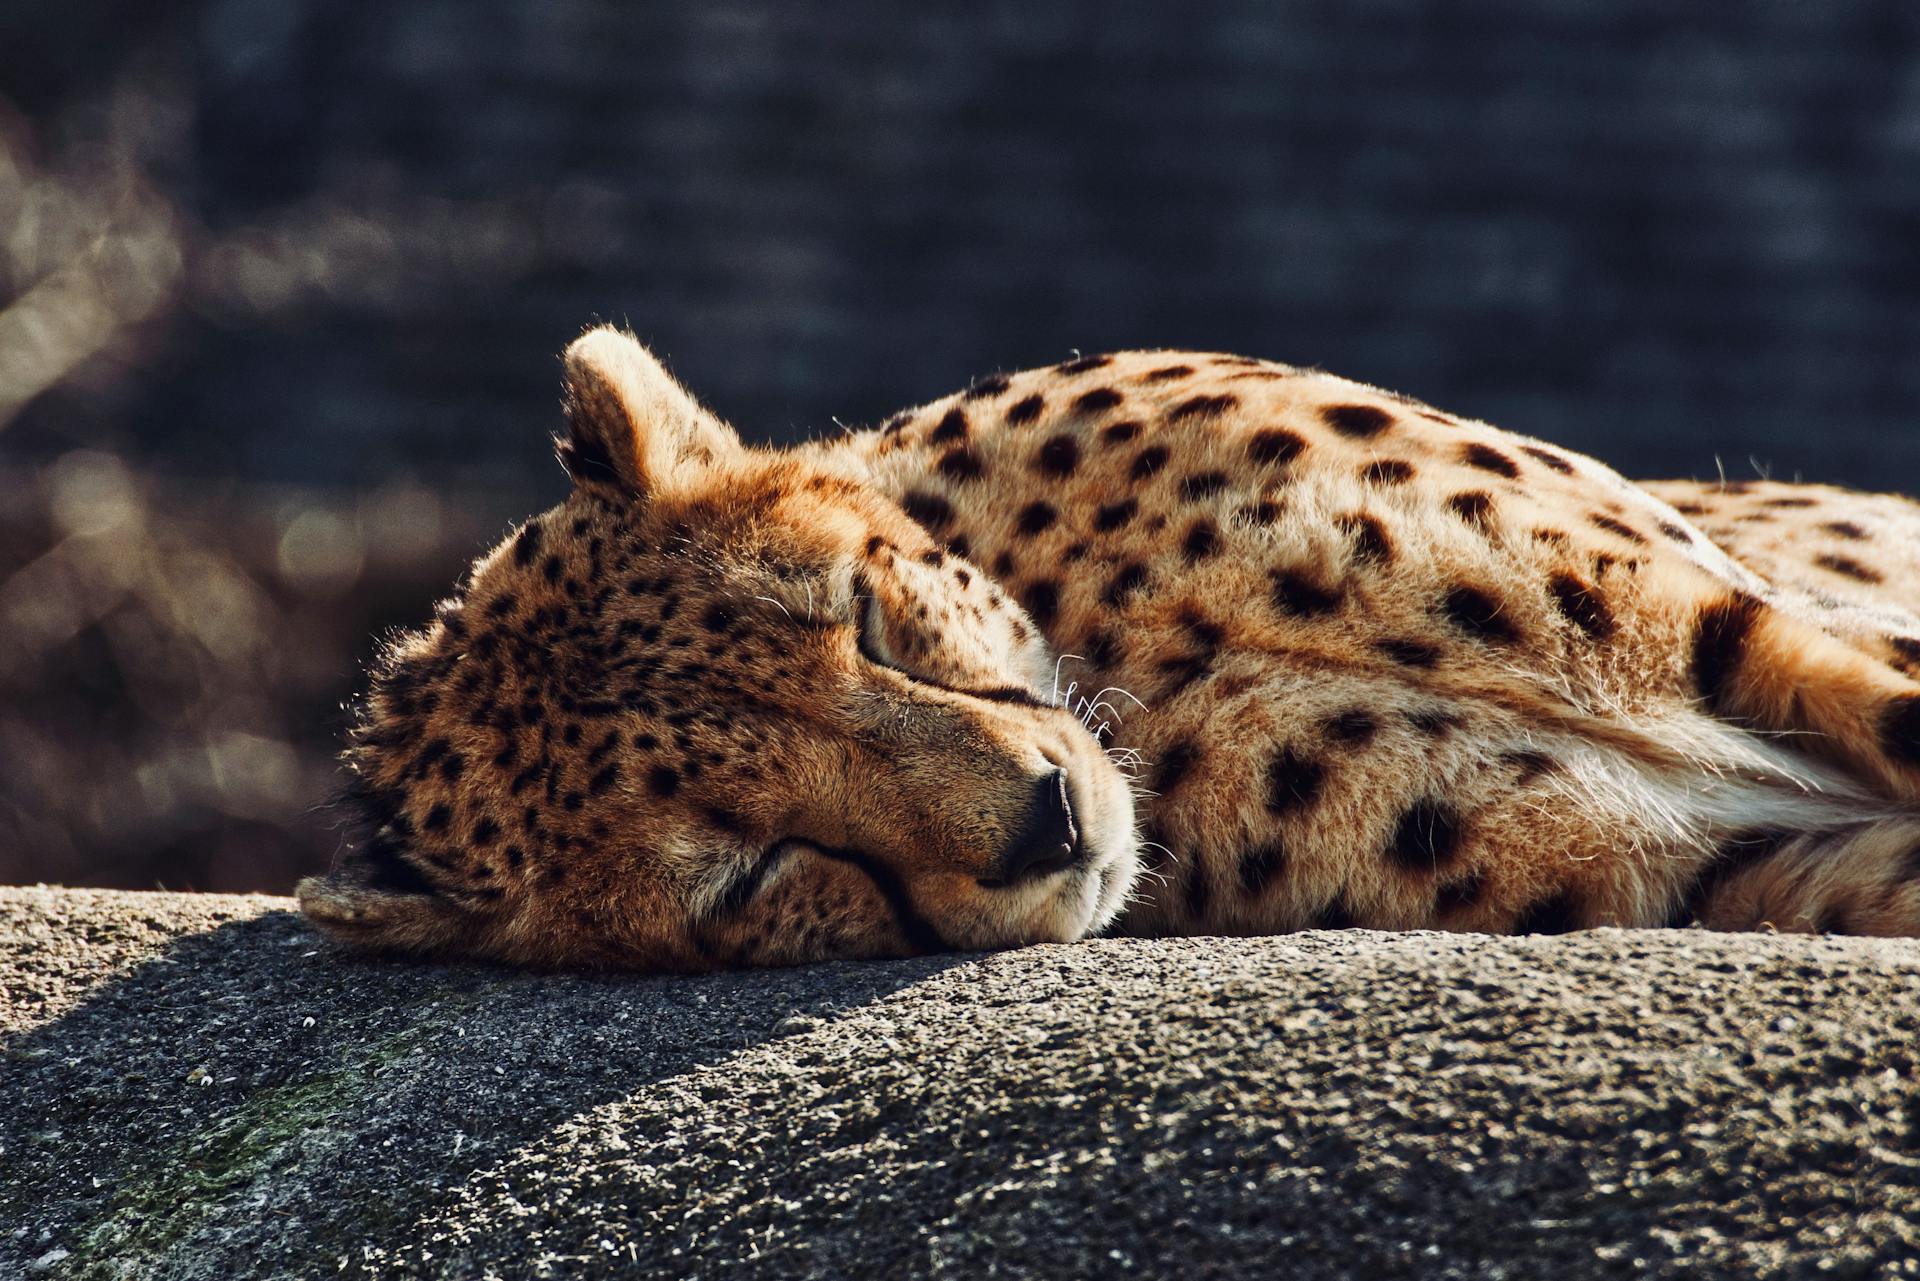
723, 705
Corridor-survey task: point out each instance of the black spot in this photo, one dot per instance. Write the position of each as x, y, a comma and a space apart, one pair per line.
1790, 502
551, 569
1261, 513
1900, 728
1274, 445
1336, 915
1259, 867
1354, 727
526, 546
1547, 456
1460, 893
1173, 766
1848, 567
1042, 600
1720, 639
431, 752
1114, 515
485, 832
1131, 578
1097, 401
989, 386
1845, 529
1184, 670
1059, 456
1202, 540
1678, 533
1582, 605
1103, 649
930, 510
1148, 462
1025, 411
1387, 471
1202, 485
1603, 521
1202, 407
1081, 364
1361, 422
601, 781
1427, 837
1119, 433
1477, 613
1199, 890
1555, 914
1529, 763
663, 780
1294, 782
1035, 517
1474, 507
1908, 647
718, 617
1298, 596
1434, 722
1165, 373
1370, 541
1487, 458
437, 818
960, 464
952, 427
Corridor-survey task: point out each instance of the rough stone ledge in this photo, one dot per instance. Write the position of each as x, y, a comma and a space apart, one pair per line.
195, 1086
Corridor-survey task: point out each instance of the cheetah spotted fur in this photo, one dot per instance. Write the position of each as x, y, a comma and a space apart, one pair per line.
1156, 642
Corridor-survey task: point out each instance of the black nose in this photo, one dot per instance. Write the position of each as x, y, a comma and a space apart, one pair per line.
1047, 841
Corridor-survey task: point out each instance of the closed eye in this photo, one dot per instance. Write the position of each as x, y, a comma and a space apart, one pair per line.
872, 633
1006, 694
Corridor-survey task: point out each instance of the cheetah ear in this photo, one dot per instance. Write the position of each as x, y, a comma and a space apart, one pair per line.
630, 427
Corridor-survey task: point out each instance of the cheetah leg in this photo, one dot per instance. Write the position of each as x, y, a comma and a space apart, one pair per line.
1863, 878
1768, 671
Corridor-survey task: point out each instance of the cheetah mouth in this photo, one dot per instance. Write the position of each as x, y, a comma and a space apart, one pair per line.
1079, 901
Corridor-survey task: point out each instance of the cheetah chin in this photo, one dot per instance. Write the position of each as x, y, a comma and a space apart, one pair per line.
1168, 642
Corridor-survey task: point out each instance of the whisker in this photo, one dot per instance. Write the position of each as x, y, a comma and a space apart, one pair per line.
1059, 659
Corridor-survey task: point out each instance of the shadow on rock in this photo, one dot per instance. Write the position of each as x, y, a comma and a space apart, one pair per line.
252, 1093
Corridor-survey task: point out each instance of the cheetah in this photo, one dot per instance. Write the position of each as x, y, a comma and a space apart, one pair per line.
1159, 643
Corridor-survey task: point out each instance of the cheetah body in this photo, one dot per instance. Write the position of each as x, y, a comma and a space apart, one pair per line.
1361, 662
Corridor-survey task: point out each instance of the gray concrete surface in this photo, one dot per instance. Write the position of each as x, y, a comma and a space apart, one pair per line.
197, 1087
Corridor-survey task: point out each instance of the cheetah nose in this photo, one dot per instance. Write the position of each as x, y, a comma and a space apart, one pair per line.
1047, 841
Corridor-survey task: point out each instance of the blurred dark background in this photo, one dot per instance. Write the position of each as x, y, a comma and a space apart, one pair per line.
282, 281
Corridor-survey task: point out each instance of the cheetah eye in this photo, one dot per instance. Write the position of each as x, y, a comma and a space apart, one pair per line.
872, 631
873, 647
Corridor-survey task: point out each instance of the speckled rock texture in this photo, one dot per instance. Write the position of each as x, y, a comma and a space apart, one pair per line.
195, 1086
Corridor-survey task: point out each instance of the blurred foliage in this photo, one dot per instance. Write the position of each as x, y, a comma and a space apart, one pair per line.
175, 655
174, 660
